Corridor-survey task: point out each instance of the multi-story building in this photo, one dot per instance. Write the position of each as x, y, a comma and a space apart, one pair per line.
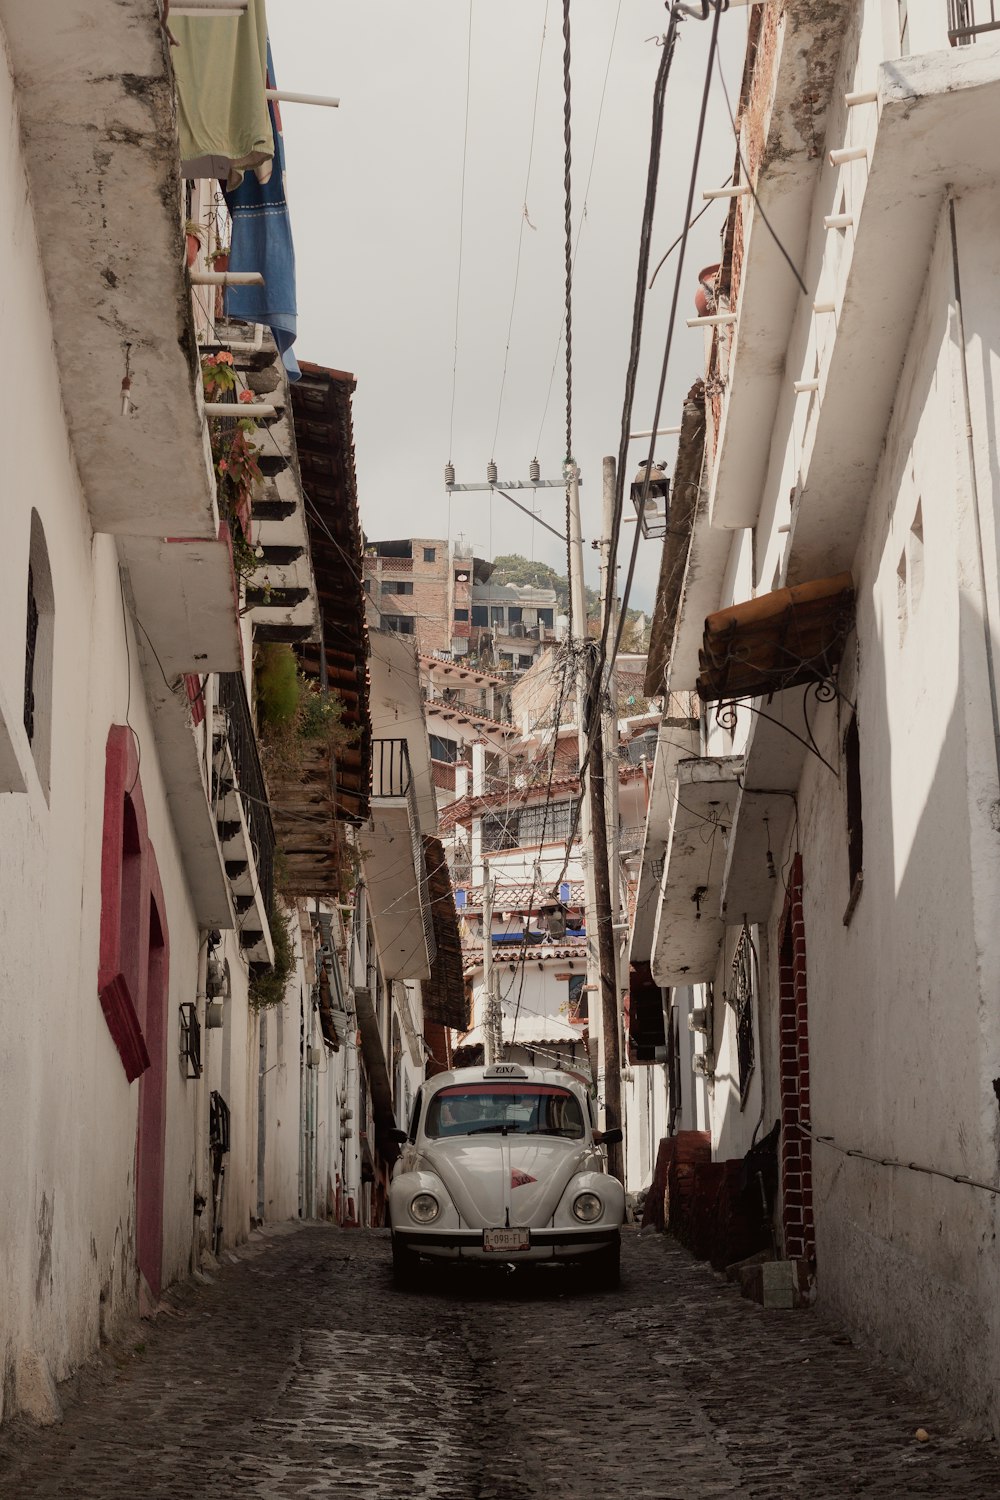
188, 922
422, 587
825, 832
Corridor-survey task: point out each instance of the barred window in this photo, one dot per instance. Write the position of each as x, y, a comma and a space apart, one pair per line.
541, 824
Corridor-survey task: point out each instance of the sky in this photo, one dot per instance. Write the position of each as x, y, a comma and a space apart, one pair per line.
375, 190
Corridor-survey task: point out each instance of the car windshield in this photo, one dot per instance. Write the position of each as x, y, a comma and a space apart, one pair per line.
504, 1109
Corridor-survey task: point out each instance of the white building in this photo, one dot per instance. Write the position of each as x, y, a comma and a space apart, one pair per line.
830, 865
177, 1067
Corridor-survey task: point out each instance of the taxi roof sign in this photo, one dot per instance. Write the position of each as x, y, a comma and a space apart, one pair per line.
504, 1070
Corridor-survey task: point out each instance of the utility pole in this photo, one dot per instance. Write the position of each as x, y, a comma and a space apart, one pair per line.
579, 645
609, 727
605, 903
492, 1029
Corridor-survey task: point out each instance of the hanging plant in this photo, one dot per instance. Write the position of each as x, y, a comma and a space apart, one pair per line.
267, 989
235, 455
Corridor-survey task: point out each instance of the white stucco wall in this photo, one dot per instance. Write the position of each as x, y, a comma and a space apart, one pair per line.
903, 1031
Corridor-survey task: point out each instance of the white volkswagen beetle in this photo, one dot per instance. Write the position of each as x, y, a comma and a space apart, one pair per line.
504, 1164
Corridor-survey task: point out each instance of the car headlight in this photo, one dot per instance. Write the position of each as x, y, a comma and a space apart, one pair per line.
424, 1208
588, 1207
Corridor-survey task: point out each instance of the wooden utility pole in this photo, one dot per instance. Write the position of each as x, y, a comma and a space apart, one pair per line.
604, 894
607, 954
492, 1025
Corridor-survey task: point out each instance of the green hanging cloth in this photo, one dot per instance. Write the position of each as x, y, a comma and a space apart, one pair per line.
220, 66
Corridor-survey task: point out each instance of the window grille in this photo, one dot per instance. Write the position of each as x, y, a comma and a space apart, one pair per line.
218, 1123
545, 824
500, 833
742, 984
30, 642
190, 1040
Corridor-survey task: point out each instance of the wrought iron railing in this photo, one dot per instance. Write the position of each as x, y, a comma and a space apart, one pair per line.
742, 984
630, 840
969, 19
31, 642
392, 778
232, 698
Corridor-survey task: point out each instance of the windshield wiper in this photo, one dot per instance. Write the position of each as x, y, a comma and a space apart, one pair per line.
493, 1129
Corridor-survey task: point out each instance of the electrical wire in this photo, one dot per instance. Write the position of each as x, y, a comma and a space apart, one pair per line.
583, 220
520, 232
461, 237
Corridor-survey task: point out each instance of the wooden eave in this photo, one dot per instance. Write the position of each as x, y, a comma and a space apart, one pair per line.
784, 639
321, 410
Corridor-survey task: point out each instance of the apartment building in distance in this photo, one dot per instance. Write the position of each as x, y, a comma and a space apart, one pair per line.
437, 591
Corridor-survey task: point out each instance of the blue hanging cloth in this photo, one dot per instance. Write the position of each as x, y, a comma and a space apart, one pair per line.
262, 241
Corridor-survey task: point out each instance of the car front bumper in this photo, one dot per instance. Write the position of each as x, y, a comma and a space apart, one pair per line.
546, 1244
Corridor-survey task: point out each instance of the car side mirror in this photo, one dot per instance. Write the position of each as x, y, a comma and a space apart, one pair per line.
612, 1137
399, 1136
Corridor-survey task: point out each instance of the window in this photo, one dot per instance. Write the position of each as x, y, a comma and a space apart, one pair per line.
430, 554
855, 836
39, 640
497, 615
524, 662
578, 1002
480, 614
500, 833
546, 617
543, 823
443, 749
461, 614
401, 624
515, 614
397, 586
504, 1109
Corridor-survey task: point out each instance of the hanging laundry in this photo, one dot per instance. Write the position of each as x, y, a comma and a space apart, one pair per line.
220, 66
262, 241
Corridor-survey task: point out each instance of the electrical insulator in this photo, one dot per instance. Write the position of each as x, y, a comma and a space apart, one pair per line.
534, 470
491, 472
449, 473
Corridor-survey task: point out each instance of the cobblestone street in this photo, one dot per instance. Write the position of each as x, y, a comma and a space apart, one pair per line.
300, 1371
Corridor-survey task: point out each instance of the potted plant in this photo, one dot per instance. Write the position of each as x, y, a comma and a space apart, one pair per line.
219, 261
193, 235
704, 297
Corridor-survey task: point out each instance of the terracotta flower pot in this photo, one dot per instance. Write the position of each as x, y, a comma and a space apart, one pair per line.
704, 297
193, 246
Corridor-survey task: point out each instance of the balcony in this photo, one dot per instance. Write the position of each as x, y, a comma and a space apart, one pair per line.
243, 816
395, 869
689, 924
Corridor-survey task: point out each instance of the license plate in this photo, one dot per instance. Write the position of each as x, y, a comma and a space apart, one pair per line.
504, 1240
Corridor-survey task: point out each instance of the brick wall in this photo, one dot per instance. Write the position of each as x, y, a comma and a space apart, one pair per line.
798, 1227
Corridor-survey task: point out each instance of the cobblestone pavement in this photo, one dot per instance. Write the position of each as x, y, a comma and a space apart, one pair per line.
301, 1372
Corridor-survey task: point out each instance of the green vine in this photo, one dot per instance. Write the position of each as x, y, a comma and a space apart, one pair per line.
267, 988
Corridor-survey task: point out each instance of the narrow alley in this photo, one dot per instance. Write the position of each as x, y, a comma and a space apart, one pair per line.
277, 1379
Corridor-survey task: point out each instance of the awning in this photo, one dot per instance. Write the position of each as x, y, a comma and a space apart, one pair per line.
785, 639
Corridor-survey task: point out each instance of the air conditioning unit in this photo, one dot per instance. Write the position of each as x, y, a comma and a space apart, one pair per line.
698, 1019
703, 1064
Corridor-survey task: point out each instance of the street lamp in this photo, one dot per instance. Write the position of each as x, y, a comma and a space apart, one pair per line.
651, 498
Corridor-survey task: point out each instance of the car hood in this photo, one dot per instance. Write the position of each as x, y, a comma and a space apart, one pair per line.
488, 1175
